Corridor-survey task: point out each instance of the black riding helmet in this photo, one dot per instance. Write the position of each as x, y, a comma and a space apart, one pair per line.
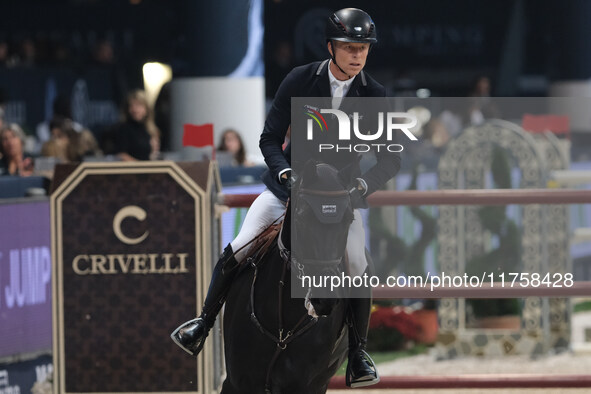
351, 25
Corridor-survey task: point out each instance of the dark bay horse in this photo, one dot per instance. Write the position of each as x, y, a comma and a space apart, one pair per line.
272, 344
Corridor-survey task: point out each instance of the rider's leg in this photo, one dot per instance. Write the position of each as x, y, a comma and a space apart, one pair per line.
191, 335
361, 370
265, 209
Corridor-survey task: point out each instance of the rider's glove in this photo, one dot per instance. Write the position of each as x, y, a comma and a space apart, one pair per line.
288, 179
357, 192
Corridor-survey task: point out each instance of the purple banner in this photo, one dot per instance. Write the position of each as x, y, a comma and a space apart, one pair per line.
25, 278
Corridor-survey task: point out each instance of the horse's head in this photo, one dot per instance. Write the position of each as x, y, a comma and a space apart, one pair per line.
322, 214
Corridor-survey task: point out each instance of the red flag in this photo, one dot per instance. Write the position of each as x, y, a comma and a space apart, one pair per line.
558, 124
198, 135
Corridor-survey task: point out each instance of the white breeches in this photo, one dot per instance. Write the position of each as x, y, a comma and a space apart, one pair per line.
266, 208
263, 211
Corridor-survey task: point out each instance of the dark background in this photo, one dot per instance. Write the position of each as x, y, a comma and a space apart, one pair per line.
442, 36
523, 45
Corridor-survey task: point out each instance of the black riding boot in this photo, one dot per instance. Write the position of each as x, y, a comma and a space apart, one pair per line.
361, 370
190, 336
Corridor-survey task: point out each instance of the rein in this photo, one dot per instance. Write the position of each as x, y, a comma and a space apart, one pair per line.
306, 322
300, 328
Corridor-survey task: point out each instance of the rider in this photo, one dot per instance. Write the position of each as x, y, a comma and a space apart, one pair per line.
350, 32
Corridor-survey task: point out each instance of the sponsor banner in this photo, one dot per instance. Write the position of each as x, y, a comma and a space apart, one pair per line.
25, 278
20, 377
129, 256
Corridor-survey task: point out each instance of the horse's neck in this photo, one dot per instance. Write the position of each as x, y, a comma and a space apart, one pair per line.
270, 294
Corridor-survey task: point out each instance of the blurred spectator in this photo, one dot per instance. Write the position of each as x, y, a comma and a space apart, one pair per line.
481, 87
61, 53
27, 53
14, 161
2, 107
102, 53
481, 105
103, 59
43, 52
137, 137
61, 109
162, 116
66, 143
436, 133
231, 142
282, 61
433, 136
89, 145
3, 53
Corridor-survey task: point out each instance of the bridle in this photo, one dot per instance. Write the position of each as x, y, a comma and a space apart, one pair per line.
281, 340
306, 321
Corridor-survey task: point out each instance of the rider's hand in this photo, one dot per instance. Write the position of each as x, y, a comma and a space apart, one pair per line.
358, 190
288, 179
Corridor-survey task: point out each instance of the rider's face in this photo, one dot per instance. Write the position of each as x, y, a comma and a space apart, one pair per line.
350, 56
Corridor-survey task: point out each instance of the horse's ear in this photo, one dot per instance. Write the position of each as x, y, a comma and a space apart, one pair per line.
346, 173
310, 175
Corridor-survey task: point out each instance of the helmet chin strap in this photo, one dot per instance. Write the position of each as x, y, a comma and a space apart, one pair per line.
334, 60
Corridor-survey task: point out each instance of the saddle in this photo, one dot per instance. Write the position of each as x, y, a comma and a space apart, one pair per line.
261, 244
263, 241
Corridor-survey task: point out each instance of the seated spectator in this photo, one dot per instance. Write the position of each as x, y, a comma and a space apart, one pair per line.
89, 145
4, 54
27, 52
2, 107
102, 53
64, 143
231, 142
14, 161
481, 106
61, 108
137, 137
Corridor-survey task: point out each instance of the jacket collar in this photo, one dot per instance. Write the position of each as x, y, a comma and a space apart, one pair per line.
323, 83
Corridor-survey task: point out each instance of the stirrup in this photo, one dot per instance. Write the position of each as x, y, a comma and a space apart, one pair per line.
362, 383
366, 380
175, 337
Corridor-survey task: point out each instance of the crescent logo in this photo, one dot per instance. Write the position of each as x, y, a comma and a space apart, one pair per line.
317, 117
125, 212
